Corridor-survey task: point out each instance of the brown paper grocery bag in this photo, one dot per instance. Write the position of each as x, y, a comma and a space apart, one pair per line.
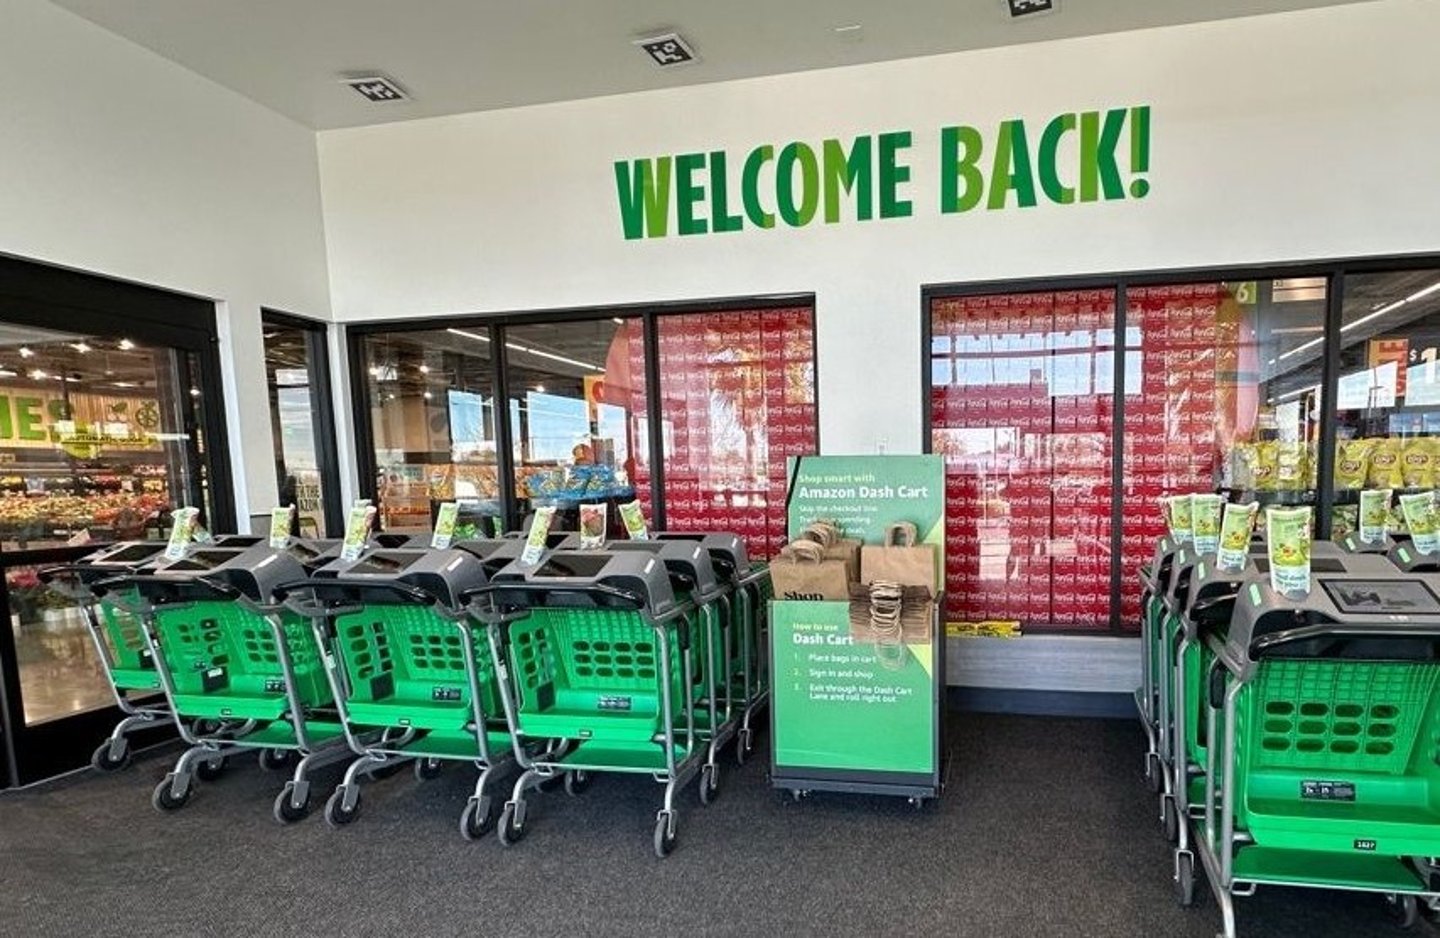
900, 559
808, 574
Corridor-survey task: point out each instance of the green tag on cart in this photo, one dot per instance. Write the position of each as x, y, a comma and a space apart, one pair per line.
357, 529
185, 520
445, 520
280, 525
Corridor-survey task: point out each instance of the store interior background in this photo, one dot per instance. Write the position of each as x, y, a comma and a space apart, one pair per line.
1278, 141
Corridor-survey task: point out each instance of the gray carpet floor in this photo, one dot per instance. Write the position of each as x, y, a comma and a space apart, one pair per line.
1046, 829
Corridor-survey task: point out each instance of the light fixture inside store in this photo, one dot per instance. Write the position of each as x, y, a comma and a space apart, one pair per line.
38, 374
539, 389
126, 345
1301, 347
1419, 294
1375, 315
194, 392
427, 395
617, 320
1289, 394
124, 384
424, 369
81, 347
469, 335
517, 347
25, 352
7, 373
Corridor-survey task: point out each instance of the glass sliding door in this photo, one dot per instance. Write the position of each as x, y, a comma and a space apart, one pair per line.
301, 418
106, 428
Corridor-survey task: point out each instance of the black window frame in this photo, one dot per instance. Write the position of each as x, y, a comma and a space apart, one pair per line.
495, 324
1333, 271
322, 411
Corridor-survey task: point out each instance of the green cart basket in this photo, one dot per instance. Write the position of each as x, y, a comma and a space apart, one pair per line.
411, 676
230, 656
598, 667
119, 643
750, 597
1322, 715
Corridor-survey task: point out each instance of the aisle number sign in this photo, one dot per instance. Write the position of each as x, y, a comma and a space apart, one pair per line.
1070, 159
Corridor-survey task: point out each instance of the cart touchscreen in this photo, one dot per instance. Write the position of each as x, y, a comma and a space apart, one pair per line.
1382, 596
578, 567
384, 563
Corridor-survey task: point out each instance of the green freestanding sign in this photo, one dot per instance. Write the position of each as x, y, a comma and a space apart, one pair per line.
850, 713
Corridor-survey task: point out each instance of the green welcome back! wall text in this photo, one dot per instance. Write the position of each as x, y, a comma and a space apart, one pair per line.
1074, 158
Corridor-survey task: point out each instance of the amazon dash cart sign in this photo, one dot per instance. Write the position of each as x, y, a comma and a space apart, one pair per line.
849, 707
1068, 159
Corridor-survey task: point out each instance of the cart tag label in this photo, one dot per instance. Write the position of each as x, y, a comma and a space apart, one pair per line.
445, 520
613, 702
184, 523
1327, 791
1367, 845
357, 529
539, 530
445, 693
280, 519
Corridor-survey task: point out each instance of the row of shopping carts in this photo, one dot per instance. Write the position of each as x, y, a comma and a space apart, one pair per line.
1295, 739
643, 657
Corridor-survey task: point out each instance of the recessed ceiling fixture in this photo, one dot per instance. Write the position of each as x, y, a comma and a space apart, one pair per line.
126, 345
25, 352
377, 89
1030, 7
667, 49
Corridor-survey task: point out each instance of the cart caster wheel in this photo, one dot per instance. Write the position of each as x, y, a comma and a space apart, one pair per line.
509, 830
427, 769
165, 798
917, 803
336, 814
709, 783
744, 744
576, 782
477, 818
104, 761
1170, 819
210, 769
286, 811
1404, 911
1153, 777
1185, 879
664, 838
273, 760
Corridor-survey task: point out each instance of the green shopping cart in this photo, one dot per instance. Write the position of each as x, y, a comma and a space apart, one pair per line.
1321, 717
411, 676
226, 653
597, 667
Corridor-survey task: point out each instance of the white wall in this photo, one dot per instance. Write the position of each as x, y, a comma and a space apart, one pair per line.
1305, 135
116, 161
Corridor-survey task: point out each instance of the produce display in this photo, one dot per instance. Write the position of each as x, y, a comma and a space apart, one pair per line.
46, 517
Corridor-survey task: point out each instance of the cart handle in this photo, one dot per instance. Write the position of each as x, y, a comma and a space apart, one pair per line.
1199, 612
350, 589
614, 594
175, 587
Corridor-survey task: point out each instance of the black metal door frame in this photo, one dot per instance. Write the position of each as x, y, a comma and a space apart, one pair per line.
322, 412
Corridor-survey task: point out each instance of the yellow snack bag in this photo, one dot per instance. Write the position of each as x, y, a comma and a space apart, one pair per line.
1352, 463
1290, 466
1242, 466
1417, 463
1266, 466
1385, 465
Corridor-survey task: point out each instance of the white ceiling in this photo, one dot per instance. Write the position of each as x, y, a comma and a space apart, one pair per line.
455, 56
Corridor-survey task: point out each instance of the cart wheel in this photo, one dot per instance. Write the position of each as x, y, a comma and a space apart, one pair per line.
743, 745
1170, 819
165, 798
1404, 911
509, 831
427, 769
709, 783
1185, 879
104, 762
917, 803
477, 818
210, 769
336, 814
1153, 777
286, 811
796, 794
576, 782
664, 840
272, 760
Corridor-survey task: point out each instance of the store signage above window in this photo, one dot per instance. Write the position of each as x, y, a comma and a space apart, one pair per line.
1076, 158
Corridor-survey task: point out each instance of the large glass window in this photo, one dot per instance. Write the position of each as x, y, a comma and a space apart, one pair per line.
1388, 394
432, 418
1222, 394
737, 399
305, 465
577, 415
1021, 406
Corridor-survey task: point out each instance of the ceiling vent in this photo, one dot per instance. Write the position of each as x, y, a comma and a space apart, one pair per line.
377, 89
1030, 7
667, 50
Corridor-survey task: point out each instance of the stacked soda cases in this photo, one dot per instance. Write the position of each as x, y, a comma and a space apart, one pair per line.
1022, 411
737, 397
1181, 339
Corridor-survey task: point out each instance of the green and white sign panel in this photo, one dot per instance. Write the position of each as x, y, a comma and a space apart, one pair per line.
849, 714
